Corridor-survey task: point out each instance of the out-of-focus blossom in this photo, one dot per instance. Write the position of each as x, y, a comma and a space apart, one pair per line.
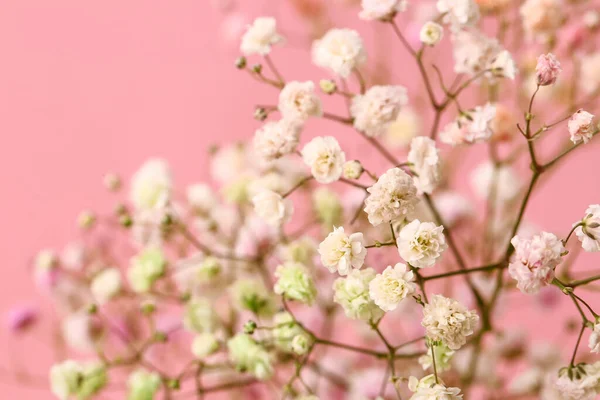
581, 127
260, 37
272, 207
374, 111
106, 285
506, 187
143, 385
542, 18
429, 388
275, 139
406, 126
459, 13
589, 73
145, 268
201, 198
200, 316
248, 355
588, 231
328, 207
252, 295
473, 126
81, 331
425, 160
381, 9
340, 50
151, 185
204, 345
352, 293
295, 283
21, 318
443, 356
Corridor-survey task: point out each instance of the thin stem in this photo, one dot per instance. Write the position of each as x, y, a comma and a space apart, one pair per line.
433, 363
566, 240
297, 186
585, 281
361, 81
577, 344
274, 69
484, 268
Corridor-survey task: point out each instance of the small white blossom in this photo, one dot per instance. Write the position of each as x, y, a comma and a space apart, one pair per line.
477, 54
272, 207
250, 356
374, 111
341, 252
392, 198
285, 329
301, 343
506, 188
428, 389
325, 158
381, 9
106, 285
353, 169
327, 206
542, 18
421, 243
295, 283
459, 13
204, 345
594, 341
143, 385
200, 316
391, 286
145, 268
151, 185
352, 293
431, 33
588, 232
201, 198
298, 101
252, 295
425, 160
503, 65
534, 261
474, 126
70, 379
448, 321
260, 36
406, 126
581, 126
589, 75
339, 50
276, 139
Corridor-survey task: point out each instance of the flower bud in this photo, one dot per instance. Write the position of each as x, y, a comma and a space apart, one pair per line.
241, 63
86, 219
547, 69
204, 345
249, 327
328, 86
112, 182
431, 33
260, 114
352, 169
300, 344
257, 68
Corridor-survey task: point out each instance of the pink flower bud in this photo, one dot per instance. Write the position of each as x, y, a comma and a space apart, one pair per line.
548, 68
21, 318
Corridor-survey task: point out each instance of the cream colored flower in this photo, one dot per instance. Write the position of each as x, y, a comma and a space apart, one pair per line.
201, 198
106, 285
272, 207
448, 321
248, 355
339, 50
431, 33
143, 385
252, 295
425, 160
341, 252
260, 36
145, 268
276, 139
421, 243
459, 13
151, 185
298, 101
542, 18
200, 316
295, 283
374, 111
430, 388
392, 198
325, 158
71, 379
581, 127
588, 232
381, 9
391, 286
352, 293
204, 345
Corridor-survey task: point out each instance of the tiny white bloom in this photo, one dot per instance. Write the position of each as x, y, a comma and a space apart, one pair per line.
503, 65
248, 355
272, 207
459, 13
276, 139
381, 9
353, 169
341, 252
374, 111
325, 158
143, 385
106, 285
392, 286
594, 341
588, 232
145, 268
448, 321
581, 126
425, 160
339, 50
201, 198
392, 198
298, 101
260, 36
352, 293
421, 243
151, 185
200, 316
431, 33
430, 388
204, 345
295, 283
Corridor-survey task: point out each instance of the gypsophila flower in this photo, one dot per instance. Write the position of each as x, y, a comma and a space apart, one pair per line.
298, 101
541, 18
252, 295
588, 232
341, 252
431, 33
424, 157
392, 286
430, 388
470, 127
275, 139
272, 207
547, 69
204, 345
581, 127
301, 343
143, 385
375, 110
421, 243
594, 341
71, 379
392, 198
459, 13
199, 316
301, 250
503, 65
581, 385
448, 321
247, 355
443, 356
201, 198
352, 169
476, 54
295, 283
339, 50
352, 293
145, 268
501, 181
285, 329
534, 261
589, 73
151, 185
106, 285
406, 126
325, 158
328, 207
260, 36
383, 10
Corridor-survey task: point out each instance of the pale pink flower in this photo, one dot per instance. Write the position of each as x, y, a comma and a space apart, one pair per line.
542, 18
392, 198
381, 9
471, 127
581, 127
21, 318
374, 111
548, 68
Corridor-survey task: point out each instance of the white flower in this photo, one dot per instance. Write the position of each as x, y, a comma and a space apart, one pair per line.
301, 343
443, 356
507, 185
298, 101
327, 206
275, 139
260, 36
431, 33
80, 331
352, 293
588, 232
474, 126
151, 185
301, 250
45, 260
391, 286
204, 345
295, 283
392, 198
252, 295
448, 321
248, 355
594, 341
581, 126
71, 379
425, 160
428, 389
106, 285
272, 208
542, 18
341, 252
201, 198
339, 50
352, 169
583, 385
406, 126
285, 329
325, 158
381, 9
421, 243
200, 316
374, 111
453, 207
475, 53
145, 268
143, 385
534, 261
459, 13
503, 65
589, 75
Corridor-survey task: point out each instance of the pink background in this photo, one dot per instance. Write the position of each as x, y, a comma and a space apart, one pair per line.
88, 87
